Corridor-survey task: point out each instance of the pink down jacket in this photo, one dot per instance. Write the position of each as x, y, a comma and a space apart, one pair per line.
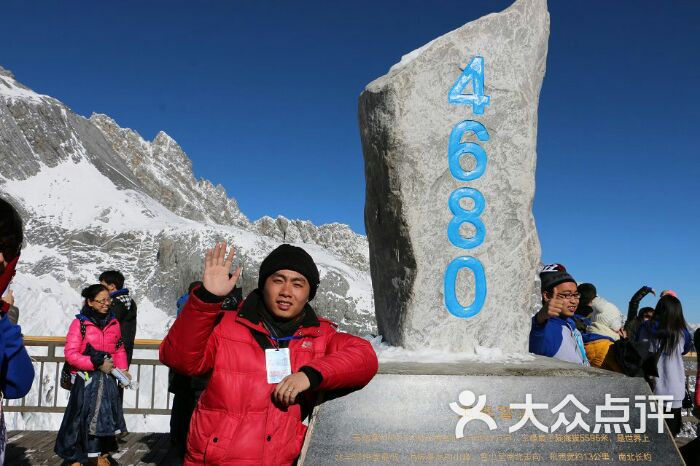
107, 339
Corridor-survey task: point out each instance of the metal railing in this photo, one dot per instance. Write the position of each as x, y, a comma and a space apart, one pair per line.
47, 396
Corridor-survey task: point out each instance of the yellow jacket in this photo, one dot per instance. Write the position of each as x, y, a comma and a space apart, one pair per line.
599, 354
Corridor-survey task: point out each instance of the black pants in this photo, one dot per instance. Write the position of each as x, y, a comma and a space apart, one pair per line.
674, 425
184, 403
100, 445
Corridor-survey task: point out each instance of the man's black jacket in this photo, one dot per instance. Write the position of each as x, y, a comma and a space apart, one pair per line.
124, 308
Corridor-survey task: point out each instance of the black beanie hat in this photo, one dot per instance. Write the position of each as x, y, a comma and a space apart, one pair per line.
294, 258
553, 275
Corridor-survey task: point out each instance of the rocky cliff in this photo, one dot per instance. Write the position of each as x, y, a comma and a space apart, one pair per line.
98, 196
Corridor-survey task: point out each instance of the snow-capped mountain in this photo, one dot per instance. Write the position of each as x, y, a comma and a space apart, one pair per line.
96, 196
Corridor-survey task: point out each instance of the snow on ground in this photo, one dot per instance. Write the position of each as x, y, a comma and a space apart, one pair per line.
46, 305
76, 196
152, 322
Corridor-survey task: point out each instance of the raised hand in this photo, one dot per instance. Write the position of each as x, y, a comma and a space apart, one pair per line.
556, 306
551, 308
216, 269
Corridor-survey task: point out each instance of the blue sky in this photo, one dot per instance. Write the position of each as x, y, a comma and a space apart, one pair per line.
263, 98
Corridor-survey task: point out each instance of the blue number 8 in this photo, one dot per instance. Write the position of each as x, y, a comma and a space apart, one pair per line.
456, 149
461, 215
451, 302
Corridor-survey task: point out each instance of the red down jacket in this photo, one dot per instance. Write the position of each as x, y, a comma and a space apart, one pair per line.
236, 421
105, 339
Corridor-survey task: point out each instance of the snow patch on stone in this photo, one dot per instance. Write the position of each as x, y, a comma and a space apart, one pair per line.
387, 353
409, 57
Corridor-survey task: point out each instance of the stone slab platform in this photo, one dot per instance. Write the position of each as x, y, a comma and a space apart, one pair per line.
404, 417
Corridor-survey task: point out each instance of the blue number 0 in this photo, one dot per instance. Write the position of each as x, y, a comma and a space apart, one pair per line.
474, 72
451, 302
456, 148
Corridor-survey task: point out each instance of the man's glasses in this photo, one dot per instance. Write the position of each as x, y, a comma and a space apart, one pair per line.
569, 296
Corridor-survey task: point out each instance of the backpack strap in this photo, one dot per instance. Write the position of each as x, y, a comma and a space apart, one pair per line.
83, 329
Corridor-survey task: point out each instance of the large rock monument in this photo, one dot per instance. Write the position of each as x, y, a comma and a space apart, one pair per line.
456, 120
449, 140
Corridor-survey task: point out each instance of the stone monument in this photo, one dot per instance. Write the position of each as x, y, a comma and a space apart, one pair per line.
449, 139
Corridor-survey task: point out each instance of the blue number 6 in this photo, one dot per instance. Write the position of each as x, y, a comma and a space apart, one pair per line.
451, 302
456, 149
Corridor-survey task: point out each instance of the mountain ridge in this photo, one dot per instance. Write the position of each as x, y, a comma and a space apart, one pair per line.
95, 195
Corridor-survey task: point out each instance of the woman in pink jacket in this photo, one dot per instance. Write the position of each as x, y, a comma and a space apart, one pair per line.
94, 413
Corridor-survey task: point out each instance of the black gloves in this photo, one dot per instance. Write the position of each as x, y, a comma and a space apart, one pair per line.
97, 357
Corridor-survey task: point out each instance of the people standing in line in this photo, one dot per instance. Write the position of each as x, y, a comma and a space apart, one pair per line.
667, 335
583, 312
123, 308
94, 416
16, 369
605, 329
553, 332
268, 360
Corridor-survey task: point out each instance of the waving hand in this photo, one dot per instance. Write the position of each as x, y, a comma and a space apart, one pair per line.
216, 269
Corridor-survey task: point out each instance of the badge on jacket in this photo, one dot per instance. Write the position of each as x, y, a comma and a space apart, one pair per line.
277, 364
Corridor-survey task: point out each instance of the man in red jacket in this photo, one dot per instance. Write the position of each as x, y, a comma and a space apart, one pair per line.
267, 360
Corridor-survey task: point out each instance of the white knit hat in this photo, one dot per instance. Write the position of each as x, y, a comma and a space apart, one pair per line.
606, 318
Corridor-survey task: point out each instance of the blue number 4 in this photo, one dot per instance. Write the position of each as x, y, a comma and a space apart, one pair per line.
474, 72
